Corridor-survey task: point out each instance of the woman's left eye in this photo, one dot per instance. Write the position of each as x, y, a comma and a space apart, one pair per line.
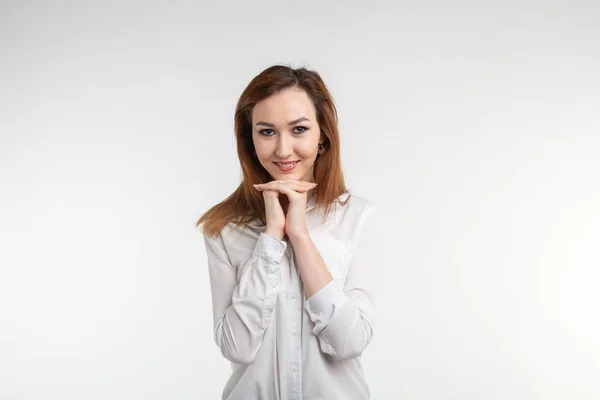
303, 129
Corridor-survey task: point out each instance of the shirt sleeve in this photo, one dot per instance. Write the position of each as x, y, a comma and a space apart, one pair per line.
243, 300
344, 316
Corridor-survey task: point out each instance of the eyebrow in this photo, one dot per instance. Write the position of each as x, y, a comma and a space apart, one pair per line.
289, 123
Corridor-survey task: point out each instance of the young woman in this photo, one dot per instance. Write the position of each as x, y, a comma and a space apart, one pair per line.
291, 251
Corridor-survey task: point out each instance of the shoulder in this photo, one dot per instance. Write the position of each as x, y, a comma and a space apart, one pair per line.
356, 200
349, 217
363, 219
355, 204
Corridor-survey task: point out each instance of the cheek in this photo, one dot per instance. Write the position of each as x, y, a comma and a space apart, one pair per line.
263, 150
307, 150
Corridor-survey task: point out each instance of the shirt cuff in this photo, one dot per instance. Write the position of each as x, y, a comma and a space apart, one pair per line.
269, 248
320, 305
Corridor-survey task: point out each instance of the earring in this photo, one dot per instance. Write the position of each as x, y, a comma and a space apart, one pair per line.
321, 148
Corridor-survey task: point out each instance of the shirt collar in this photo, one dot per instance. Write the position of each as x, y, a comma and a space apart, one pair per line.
311, 203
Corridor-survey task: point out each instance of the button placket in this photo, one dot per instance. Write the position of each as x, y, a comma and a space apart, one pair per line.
295, 320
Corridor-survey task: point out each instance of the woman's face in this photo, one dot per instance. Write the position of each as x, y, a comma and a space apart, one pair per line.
285, 129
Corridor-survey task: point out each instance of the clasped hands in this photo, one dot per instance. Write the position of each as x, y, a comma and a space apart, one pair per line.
290, 221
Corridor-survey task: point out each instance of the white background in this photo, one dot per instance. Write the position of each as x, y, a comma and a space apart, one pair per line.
474, 126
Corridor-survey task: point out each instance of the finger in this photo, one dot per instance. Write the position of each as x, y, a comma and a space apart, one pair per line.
299, 182
270, 193
289, 190
301, 186
273, 185
279, 184
264, 186
294, 183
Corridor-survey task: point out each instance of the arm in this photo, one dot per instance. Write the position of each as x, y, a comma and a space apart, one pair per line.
343, 316
243, 304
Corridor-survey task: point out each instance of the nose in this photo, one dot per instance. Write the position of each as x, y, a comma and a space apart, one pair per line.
284, 147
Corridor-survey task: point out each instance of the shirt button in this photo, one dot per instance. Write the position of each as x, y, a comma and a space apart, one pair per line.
294, 333
293, 296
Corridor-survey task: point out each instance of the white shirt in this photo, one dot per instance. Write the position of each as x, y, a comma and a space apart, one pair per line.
282, 345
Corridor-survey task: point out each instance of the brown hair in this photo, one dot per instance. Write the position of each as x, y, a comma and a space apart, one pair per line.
246, 204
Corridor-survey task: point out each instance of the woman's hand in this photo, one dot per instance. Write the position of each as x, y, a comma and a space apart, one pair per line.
278, 222
274, 213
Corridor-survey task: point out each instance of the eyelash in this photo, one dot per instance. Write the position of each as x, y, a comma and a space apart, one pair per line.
262, 132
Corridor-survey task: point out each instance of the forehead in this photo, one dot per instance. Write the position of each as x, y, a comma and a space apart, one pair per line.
285, 106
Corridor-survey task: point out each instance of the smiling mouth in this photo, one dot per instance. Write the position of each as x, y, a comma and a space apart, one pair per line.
286, 164
287, 167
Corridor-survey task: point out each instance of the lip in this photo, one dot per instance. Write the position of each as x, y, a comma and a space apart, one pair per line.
285, 169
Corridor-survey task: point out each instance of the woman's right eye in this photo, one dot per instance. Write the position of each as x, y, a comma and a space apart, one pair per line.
262, 132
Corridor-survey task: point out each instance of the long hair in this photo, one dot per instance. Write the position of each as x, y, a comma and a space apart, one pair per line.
246, 204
